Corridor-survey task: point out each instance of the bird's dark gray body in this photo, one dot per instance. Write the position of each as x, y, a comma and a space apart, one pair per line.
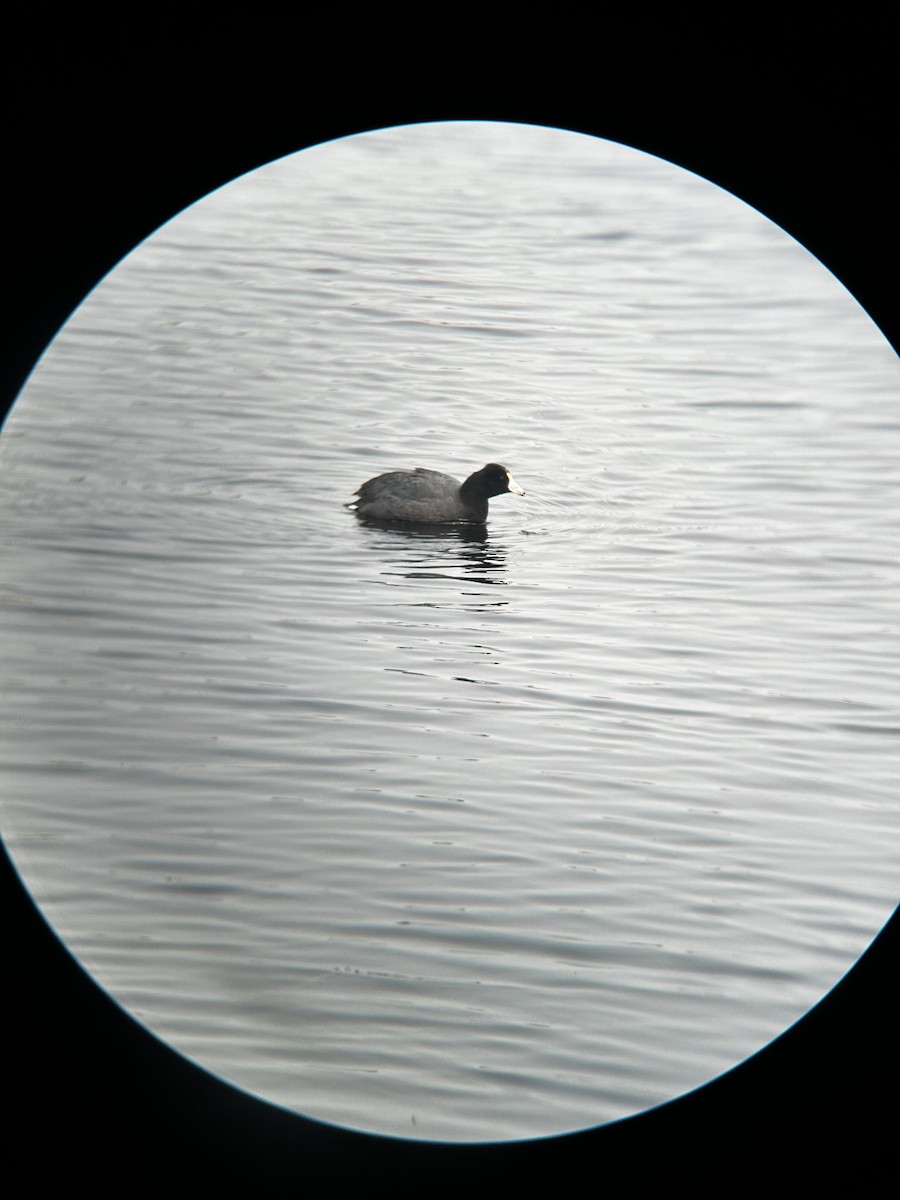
431, 497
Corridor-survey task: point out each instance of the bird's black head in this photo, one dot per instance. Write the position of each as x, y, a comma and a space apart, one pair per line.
497, 480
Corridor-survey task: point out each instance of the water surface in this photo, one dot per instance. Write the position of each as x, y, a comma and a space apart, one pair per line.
458, 834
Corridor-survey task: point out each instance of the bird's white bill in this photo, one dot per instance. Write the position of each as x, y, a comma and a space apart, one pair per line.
513, 486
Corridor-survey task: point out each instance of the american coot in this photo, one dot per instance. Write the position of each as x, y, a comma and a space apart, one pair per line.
431, 497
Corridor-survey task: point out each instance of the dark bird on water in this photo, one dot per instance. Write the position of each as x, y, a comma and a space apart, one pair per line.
431, 497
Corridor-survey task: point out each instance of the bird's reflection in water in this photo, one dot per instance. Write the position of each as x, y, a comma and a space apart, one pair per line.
465, 553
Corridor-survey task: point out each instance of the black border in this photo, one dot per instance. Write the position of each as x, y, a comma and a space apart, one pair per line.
114, 123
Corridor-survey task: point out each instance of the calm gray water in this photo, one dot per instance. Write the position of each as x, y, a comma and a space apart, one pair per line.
436, 833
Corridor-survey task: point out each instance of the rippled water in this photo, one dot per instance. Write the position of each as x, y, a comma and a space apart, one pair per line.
459, 834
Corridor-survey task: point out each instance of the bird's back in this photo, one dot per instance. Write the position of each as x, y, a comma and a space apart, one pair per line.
417, 495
